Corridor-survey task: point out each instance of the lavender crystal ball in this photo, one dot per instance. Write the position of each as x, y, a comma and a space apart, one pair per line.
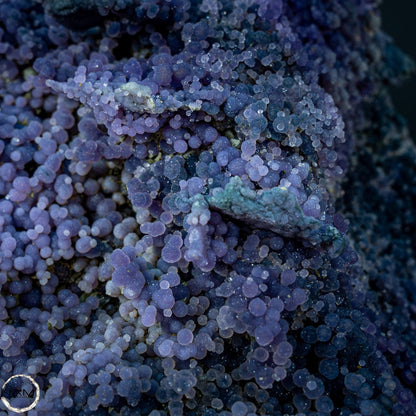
207, 208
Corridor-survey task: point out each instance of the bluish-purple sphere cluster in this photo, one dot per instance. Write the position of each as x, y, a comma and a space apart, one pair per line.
206, 209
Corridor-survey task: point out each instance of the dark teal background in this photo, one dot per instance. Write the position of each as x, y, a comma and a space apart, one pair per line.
399, 21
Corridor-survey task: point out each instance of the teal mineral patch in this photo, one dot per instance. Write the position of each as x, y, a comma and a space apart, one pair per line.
276, 210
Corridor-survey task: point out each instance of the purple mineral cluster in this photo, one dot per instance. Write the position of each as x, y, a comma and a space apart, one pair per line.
207, 209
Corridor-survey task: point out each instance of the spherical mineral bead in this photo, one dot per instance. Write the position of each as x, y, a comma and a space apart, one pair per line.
323, 333
141, 200
155, 229
180, 309
328, 367
91, 187
224, 380
314, 388
195, 186
149, 316
331, 319
106, 206
263, 335
312, 206
173, 278
63, 119
257, 307
68, 368
353, 382
126, 226
208, 134
248, 148
261, 354
300, 377
105, 394
299, 296
80, 372
324, 404
101, 227
67, 402
339, 341
308, 334
301, 402
171, 252
67, 298
185, 336
104, 377
180, 146
239, 409
85, 244
194, 142
119, 258
165, 348
7, 172
369, 408
250, 288
284, 349
172, 169
134, 286
287, 277
164, 298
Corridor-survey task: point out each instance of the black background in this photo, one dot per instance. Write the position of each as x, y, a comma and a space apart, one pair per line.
398, 20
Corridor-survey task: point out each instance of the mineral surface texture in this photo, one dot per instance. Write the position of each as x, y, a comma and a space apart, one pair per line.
207, 208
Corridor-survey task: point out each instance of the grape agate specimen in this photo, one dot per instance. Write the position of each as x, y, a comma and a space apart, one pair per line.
207, 208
